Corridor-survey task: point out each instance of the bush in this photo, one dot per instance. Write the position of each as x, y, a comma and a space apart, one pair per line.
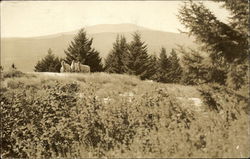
60, 118
13, 73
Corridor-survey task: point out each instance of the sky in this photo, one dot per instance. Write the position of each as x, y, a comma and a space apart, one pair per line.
36, 18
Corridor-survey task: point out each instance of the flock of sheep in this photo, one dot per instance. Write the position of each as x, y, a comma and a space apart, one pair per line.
74, 67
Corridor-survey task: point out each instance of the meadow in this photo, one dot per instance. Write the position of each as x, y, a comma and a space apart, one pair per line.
110, 115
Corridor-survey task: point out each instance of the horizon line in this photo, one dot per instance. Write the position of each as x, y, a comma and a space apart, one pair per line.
44, 35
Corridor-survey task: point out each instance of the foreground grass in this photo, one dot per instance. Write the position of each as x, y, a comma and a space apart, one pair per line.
99, 114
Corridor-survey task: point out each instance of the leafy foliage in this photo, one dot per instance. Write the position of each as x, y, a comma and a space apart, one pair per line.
81, 50
51, 117
12, 73
49, 63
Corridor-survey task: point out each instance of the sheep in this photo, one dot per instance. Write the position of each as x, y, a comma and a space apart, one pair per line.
73, 66
82, 68
65, 67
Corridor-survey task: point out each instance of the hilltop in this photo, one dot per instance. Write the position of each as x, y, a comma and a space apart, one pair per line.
25, 52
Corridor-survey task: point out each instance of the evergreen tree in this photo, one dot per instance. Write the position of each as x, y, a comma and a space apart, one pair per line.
194, 71
215, 72
49, 63
117, 60
139, 59
170, 70
164, 66
164, 61
222, 41
199, 69
240, 14
174, 73
227, 44
80, 50
153, 69
236, 76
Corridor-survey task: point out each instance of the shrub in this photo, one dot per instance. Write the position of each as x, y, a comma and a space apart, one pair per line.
63, 118
13, 73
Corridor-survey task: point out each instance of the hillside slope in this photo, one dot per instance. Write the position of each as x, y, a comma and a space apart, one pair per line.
51, 115
25, 52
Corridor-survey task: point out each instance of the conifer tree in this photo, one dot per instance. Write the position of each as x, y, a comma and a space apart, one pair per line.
194, 71
117, 59
175, 71
138, 57
237, 77
50, 63
222, 41
198, 69
153, 69
164, 61
164, 66
81, 50
226, 43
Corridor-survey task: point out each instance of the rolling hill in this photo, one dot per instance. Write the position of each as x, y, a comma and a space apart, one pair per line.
25, 52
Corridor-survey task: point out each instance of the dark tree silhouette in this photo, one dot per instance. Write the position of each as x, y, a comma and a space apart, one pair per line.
81, 50
225, 43
117, 59
50, 63
139, 58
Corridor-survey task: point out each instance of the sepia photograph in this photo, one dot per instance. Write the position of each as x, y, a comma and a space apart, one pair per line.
124, 79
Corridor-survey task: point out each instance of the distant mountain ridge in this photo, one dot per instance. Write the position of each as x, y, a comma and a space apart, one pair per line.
25, 52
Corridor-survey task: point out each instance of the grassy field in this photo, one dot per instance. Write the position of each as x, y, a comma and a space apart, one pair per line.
109, 115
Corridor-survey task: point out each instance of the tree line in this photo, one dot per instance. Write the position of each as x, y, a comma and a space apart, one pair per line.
133, 58
124, 58
224, 44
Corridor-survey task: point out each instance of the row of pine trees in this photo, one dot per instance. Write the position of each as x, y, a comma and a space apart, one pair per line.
124, 58
133, 58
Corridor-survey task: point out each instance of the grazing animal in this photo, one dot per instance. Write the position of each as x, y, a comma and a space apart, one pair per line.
73, 66
65, 67
82, 68
77, 67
